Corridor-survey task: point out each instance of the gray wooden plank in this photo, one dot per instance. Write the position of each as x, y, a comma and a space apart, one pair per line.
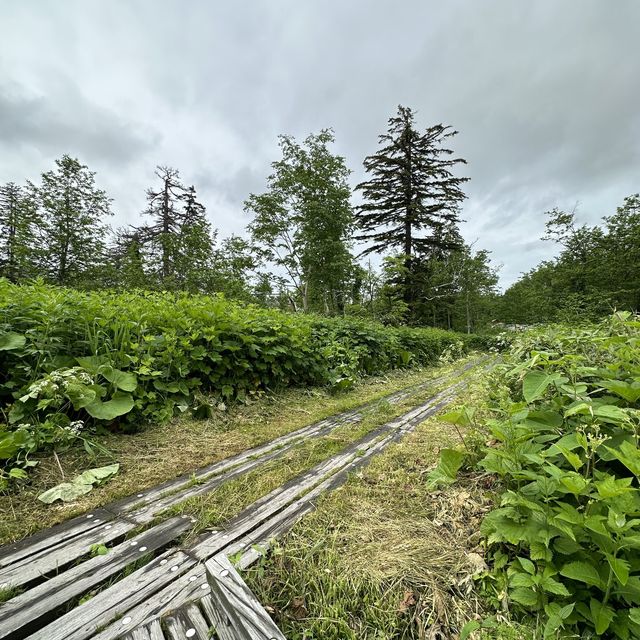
27, 609
231, 594
163, 591
155, 630
113, 603
216, 618
169, 596
187, 622
50, 537
31, 568
151, 631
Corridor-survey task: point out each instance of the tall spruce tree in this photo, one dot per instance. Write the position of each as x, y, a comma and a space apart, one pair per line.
178, 242
412, 195
17, 241
72, 229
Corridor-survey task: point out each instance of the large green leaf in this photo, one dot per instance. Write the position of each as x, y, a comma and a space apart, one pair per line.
119, 404
8, 446
11, 341
620, 568
119, 379
630, 391
601, 614
67, 492
97, 475
535, 384
80, 395
628, 454
447, 470
524, 596
581, 571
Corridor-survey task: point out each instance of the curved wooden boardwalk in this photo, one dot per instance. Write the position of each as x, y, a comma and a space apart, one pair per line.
180, 592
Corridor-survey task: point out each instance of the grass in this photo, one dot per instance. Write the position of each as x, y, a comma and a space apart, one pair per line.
384, 557
212, 510
165, 451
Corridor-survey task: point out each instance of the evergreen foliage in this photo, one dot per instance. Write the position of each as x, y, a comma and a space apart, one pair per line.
412, 198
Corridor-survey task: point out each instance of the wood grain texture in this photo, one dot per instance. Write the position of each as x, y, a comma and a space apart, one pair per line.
61, 554
246, 616
39, 605
111, 605
187, 623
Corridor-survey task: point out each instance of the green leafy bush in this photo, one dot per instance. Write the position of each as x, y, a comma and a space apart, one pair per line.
565, 538
124, 359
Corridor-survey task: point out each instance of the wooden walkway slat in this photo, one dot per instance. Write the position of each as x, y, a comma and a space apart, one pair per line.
44, 539
132, 606
152, 631
113, 603
61, 554
188, 622
28, 609
245, 615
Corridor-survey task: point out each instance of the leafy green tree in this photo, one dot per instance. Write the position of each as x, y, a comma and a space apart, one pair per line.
72, 231
234, 265
124, 268
18, 220
303, 222
594, 273
178, 242
412, 195
622, 247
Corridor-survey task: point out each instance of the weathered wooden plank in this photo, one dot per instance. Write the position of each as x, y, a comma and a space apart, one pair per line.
38, 605
247, 616
46, 538
165, 594
151, 631
59, 556
109, 605
187, 622
216, 618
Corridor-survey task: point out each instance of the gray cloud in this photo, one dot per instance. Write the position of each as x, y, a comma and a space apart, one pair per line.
69, 122
544, 95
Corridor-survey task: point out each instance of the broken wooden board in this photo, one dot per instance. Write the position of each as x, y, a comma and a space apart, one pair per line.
31, 609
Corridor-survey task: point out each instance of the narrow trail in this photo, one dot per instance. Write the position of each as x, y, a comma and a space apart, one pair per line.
54, 567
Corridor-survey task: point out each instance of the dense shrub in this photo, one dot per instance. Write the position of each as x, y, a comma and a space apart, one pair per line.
126, 358
565, 539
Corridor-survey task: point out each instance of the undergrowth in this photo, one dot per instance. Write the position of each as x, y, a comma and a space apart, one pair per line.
564, 540
71, 361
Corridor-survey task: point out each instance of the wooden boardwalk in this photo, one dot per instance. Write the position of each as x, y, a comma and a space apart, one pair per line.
148, 586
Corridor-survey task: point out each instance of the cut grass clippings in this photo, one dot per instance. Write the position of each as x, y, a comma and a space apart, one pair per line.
163, 452
384, 557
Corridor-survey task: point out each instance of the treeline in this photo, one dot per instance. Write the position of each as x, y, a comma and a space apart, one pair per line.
299, 251
596, 272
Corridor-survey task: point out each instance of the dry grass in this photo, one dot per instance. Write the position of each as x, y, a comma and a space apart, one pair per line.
161, 452
383, 557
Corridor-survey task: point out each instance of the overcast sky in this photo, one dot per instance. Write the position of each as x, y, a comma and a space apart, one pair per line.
545, 94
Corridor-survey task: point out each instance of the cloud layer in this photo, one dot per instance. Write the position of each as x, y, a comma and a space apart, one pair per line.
545, 96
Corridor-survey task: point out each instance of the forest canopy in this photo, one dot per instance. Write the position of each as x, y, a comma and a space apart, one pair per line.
397, 256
